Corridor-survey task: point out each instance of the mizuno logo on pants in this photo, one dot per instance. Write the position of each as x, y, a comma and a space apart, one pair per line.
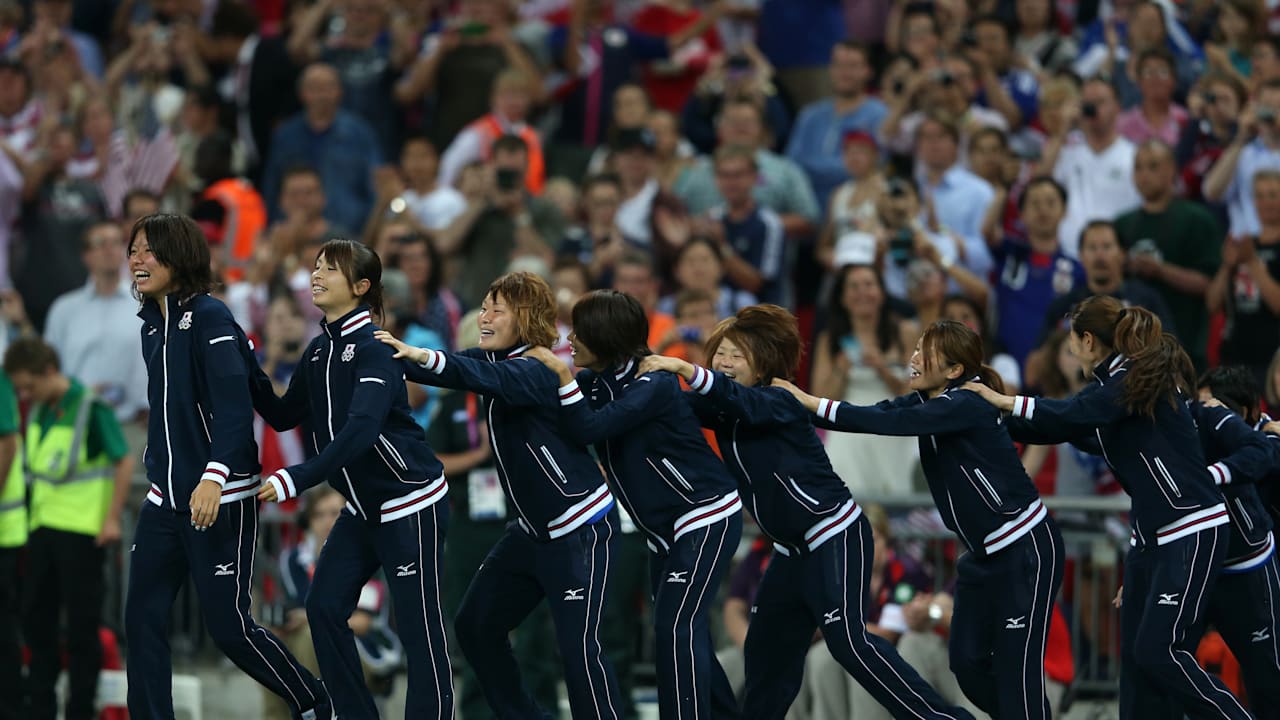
575, 594
1015, 623
225, 569
1168, 599
1260, 635
677, 577
830, 617
405, 570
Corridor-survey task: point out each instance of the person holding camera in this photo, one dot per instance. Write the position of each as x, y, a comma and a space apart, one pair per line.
1214, 106
904, 236
1092, 161
1255, 147
502, 221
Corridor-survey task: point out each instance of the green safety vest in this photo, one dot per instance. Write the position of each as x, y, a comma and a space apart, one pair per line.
70, 491
13, 505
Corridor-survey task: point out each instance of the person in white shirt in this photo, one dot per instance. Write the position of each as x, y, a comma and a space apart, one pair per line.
431, 204
1256, 147
95, 329
1093, 163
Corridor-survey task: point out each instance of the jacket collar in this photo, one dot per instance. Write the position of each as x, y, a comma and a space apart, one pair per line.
626, 369
1111, 365
348, 323
510, 353
150, 310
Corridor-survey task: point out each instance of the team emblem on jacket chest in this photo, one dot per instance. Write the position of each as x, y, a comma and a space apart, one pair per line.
185, 322
348, 352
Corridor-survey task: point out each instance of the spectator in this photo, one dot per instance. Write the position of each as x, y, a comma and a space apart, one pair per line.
367, 50
745, 76
1264, 63
670, 82
783, 188
926, 290
1247, 285
695, 321
458, 65
429, 204
1033, 273
260, 68
861, 358
50, 25
94, 329
957, 199
1214, 108
750, 236
434, 306
1006, 88
902, 236
71, 435
244, 215
20, 114
1113, 46
201, 107
56, 212
13, 539
12, 190
1103, 258
1174, 245
1239, 25
338, 144
948, 90
823, 124
117, 162
633, 157
613, 51
508, 110
964, 309
501, 222
672, 151
137, 204
1256, 147
700, 266
991, 160
631, 108
597, 243
147, 81
1094, 164
1157, 116
634, 275
919, 35
796, 37
1038, 38
853, 204
569, 282
1273, 383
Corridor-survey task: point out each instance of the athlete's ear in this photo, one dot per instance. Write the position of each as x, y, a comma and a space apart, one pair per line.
360, 287
954, 371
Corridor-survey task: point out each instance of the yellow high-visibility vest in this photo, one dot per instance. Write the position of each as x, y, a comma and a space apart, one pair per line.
70, 491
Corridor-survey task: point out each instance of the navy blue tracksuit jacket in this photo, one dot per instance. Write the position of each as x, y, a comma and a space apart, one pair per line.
981, 489
1157, 460
666, 476
554, 486
201, 422
367, 445
1239, 457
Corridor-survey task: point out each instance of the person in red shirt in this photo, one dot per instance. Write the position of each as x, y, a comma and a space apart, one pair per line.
670, 82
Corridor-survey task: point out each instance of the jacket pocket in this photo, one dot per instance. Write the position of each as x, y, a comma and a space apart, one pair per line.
671, 468
392, 452
1162, 476
991, 490
982, 487
1244, 515
551, 462
794, 490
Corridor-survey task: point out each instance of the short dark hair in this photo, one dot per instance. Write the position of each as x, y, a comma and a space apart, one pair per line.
770, 337
509, 144
94, 227
177, 243
137, 193
31, 355
1158, 54
613, 325
601, 179
357, 262
1037, 181
435, 276
213, 158
692, 296
735, 152
298, 169
1236, 387
992, 19
636, 259
1099, 225
418, 139
855, 45
988, 131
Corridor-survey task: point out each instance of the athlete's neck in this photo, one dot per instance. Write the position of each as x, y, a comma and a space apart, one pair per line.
331, 315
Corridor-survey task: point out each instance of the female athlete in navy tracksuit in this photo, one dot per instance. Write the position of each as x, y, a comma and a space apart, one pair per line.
1010, 577
819, 576
673, 486
559, 545
371, 451
1137, 417
1243, 606
200, 518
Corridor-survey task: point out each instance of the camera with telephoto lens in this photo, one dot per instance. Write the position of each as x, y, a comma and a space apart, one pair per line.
507, 179
1089, 110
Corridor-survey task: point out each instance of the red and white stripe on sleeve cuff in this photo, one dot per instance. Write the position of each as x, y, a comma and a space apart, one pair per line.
570, 394
827, 409
1023, 406
1221, 473
434, 361
282, 481
702, 380
216, 472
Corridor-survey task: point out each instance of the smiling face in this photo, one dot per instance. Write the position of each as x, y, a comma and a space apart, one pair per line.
1086, 349
583, 356
498, 329
331, 291
933, 376
152, 278
735, 363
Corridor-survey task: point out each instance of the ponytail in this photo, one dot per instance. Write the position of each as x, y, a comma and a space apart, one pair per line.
1159, 368
991, 378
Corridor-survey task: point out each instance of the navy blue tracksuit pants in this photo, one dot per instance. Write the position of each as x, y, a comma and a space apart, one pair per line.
409, 550
1166, 600
691, 683
519, 572
828, 590
1244, 610
1000, 625
219, 561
